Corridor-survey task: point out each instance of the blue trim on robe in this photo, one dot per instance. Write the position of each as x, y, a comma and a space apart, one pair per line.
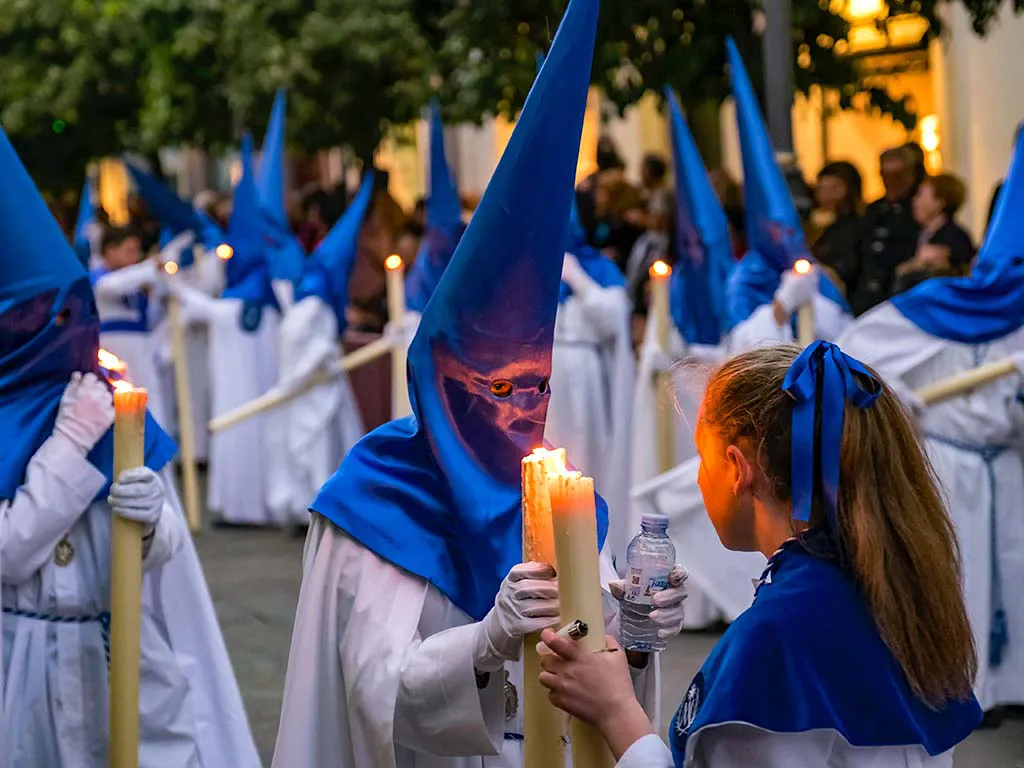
806, 656
137, 303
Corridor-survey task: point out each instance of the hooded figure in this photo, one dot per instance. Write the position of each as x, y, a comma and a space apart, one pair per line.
319, 427
763, 292
444, 223
719, 587
57, 499
592, 377
242, 327
406, 618
942, 327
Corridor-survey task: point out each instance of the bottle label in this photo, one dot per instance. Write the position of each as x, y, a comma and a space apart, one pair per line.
641, 587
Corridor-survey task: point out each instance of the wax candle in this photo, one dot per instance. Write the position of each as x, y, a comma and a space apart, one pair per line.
574, 523
805, 314
543, 724
186, 426
126, 585
395, 272
660, 274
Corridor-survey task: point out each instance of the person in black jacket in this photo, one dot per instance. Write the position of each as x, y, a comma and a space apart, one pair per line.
944, 248
889, 233
838, 196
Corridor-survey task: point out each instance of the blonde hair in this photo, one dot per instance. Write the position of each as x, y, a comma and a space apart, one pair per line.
898, 538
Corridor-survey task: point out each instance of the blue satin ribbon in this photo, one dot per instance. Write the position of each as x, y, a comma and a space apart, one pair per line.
821, 380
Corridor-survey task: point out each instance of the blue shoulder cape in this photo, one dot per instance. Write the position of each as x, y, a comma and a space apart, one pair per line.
806, 655
599, 267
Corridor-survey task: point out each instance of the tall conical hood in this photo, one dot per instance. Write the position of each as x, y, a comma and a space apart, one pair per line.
703, 241
328, 269
86, 219
1004, 240
246, 271
174, 214
270, 179
444, 222
48, 328
480, 361
773, 226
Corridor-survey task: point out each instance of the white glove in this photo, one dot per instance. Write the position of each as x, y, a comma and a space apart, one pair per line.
138, 495
668, 604
1018, 360
796, 290
576, 276
659, 360
86, 411
527, 602
173, 250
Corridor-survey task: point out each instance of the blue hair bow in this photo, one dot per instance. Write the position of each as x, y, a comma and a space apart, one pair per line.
821, 380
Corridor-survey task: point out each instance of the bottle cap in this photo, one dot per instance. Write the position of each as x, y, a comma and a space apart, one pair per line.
653, 520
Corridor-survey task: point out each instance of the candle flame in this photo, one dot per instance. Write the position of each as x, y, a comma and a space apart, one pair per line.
120, 385
554, 461
802, 266
660, 269
116, 371
393, 262
171, 268
112, 362
225, 251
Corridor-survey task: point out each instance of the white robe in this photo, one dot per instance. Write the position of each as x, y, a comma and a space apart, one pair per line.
590, 412
381, 671
954, 431
55, 694
761, 330
320, 426
734, 745
139, 350
242, 367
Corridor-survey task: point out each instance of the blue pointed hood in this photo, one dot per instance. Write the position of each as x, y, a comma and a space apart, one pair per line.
988, 304
174, 214
246, 272
49, 329
599, 267
444, 222
284, 252
329, 267
703, 242
480, 361
775, 236
86, 216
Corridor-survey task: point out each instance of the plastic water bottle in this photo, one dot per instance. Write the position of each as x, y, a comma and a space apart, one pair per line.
649, 559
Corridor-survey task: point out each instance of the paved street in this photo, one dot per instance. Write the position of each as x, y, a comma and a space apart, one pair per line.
254, 578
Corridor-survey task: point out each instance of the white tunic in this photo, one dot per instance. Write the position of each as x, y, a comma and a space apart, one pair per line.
590, 413
320, 426
242, 367
138, 349
381, 671
56, 694
735, 745
761, 330
958, 433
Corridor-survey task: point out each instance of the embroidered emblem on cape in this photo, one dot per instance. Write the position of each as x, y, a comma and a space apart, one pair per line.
64, 552
511, 699
690, 706
252, 313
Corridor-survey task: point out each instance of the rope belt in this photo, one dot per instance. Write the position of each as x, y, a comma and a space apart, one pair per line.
999, 634
103, 619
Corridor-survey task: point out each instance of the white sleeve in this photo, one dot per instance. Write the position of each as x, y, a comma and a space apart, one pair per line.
606, 309
60, 484
759, 330
196, 306
440, 710
126, 281
170, 532
830, 320
648, 752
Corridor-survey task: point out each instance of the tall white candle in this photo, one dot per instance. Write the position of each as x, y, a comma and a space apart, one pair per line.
805, 314
660, 274
395, 271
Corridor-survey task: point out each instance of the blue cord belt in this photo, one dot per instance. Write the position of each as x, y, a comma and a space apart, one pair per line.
103, 619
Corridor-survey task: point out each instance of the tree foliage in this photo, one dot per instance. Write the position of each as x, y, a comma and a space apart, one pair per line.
86, 78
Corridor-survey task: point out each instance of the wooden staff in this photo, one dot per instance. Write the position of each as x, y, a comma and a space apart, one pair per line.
279, 396
574, 522
543, 724
660, 274
805, 333
962, 383
186, 427
395, 270
126, 586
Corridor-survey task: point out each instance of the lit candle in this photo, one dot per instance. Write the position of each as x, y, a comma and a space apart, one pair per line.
805, 314
574, 524
543, 724
395, 272
126, 584
660, 273
186, 426
225, 252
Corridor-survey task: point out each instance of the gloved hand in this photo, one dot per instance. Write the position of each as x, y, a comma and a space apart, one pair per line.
527, 602
668, 604
796, 290
138, 495
659, 360
86, 411
575, 275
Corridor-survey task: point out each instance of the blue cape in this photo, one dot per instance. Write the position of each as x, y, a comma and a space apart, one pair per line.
601, 270
138, 303
435, 252
807, 656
